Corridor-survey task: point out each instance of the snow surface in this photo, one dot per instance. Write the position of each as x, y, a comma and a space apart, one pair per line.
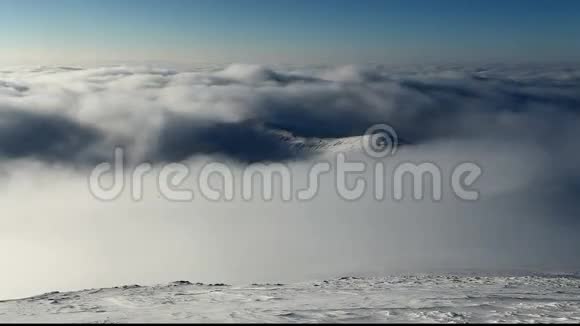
425, 298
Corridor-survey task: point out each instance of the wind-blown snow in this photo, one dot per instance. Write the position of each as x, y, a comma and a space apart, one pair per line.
427, 298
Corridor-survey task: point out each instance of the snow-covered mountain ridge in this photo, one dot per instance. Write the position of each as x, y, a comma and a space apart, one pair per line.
426, 298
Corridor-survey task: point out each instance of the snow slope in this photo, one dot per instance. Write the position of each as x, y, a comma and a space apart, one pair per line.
427, 298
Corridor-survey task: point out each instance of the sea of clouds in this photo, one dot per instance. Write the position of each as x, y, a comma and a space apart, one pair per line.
521, 124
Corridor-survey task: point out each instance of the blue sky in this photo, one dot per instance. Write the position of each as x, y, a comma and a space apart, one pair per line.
289, 31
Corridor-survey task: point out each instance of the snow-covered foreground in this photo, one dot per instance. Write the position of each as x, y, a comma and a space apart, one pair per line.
393, 299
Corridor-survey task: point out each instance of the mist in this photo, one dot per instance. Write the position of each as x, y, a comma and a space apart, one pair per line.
517, 123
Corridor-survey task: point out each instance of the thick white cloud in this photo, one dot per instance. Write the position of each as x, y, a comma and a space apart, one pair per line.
521, 124
142, 108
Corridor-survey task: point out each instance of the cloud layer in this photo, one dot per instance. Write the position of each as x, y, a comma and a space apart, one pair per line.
519, 123
161, 115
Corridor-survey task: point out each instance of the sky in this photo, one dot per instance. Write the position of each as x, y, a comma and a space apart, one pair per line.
287, 31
